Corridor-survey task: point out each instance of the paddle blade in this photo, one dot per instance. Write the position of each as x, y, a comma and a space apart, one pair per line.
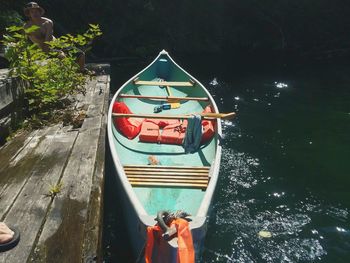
229, 116
225, 116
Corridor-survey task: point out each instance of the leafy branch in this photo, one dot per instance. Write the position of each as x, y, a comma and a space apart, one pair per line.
51, 77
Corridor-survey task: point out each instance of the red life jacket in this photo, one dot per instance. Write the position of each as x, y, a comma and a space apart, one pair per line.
208, 130
129, 127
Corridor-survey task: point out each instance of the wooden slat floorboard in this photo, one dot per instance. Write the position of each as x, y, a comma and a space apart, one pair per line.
164, 184
174, 176
169, 173
168, 180
167, 176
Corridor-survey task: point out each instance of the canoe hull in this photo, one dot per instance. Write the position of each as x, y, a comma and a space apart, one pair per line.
139, 209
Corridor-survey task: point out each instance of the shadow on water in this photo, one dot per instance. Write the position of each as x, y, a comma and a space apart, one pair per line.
116, 245
284, 168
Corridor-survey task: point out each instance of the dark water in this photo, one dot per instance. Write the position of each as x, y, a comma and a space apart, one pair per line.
285, 166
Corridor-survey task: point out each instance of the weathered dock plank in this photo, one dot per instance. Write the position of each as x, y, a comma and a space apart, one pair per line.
93, 229
62, 240
21, 168
14, 147
87, 99
66, 227
29, 210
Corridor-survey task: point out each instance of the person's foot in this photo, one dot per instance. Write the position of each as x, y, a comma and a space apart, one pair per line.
9, 237
6, 234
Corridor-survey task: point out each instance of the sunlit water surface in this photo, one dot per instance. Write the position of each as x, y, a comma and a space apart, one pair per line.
285, 166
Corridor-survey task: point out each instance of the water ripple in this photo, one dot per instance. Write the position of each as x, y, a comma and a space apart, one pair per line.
246, 208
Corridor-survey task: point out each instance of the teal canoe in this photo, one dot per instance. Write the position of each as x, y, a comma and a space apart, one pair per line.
154, 176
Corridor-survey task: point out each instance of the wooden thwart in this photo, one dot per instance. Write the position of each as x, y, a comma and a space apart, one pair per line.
174, 176
163, 97
208, 115
164, 83
169, 180
207, 168
155, 176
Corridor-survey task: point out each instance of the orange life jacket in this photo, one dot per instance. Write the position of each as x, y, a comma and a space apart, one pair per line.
163, 131
150, 242
173, 131
149, 132
185, 252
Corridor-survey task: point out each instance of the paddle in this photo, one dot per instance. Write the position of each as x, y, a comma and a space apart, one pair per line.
224, 116
174, 103
206, 115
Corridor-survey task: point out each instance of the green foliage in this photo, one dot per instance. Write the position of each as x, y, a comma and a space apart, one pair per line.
8, 18
54, 189
52, 76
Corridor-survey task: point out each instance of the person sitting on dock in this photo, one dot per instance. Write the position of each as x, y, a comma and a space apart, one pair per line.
44, 34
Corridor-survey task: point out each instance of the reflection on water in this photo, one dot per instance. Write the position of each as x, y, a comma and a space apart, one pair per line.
280, 85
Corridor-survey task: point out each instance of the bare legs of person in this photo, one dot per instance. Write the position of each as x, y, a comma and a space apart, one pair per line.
81, 61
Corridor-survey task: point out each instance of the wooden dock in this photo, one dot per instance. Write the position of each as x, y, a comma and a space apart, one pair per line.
65, 227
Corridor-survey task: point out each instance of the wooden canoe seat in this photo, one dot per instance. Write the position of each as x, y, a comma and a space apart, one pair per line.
163, 97
168, 176
205, 115
164, 83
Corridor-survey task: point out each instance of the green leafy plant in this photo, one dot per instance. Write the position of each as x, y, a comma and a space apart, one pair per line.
54, 189
52, 77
